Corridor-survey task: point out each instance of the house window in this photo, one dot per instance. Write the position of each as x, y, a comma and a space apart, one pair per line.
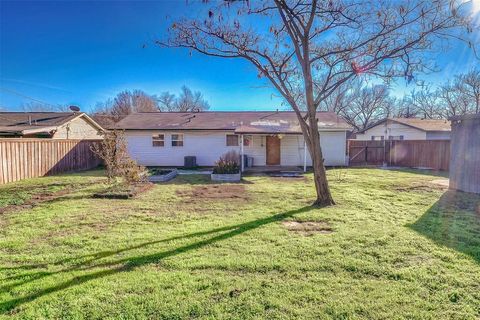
177, 140
158, 140
378, 138
232, 140
247, 141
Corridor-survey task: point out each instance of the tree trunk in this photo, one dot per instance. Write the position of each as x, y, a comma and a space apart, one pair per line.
324, 197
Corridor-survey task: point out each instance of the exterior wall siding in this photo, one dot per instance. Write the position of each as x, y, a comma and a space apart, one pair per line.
78, 129
208, 146
394, 129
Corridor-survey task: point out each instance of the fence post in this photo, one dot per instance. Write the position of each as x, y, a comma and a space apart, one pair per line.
366, 152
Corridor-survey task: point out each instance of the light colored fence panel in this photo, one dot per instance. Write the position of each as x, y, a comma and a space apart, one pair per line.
31, 158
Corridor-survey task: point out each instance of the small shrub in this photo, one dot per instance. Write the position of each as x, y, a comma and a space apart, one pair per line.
133, 173
227, 164
118, 164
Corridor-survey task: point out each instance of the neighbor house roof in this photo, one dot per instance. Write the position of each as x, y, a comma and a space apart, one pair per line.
23, 123
427, 125
240, 122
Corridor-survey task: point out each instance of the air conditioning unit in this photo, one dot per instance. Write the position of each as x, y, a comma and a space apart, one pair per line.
190, 162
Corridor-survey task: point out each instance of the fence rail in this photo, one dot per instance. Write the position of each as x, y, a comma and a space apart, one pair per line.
31, 158
434, 154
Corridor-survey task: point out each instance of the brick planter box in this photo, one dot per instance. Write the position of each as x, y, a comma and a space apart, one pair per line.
231, 177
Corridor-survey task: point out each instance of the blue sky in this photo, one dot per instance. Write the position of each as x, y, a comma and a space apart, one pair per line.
74, 52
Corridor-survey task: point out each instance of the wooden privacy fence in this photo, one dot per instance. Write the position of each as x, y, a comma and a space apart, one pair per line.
31, 158
434, 154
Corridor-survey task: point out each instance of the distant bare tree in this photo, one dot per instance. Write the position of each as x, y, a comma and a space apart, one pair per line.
366, 105
307, 49
469, 85
452, 101
127, 102
186, 101
426, 103
404, 108
458, 96
167, 101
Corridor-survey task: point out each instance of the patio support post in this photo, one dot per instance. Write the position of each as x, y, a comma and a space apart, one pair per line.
304, 156
242, 162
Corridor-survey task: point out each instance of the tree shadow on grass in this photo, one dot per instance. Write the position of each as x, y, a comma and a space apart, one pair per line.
453, 221
131, 263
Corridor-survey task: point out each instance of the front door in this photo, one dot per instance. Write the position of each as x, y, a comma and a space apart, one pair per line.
273, 151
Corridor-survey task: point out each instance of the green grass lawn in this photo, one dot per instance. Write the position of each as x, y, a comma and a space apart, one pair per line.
395, 246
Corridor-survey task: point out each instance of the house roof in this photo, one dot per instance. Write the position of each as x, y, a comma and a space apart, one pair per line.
38, 122
106, 121
240, 122
427, 125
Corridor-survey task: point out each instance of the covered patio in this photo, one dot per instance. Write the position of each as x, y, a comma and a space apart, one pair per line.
278, 137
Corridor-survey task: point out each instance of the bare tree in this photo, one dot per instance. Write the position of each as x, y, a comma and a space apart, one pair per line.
452, 101
469, 86
307, 49
426, 103
186, 101
127, 102
366, 105
167, 101
404, 108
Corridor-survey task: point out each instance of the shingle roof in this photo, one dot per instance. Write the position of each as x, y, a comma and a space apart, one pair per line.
241, 122
421, 124
25, 122
425, 124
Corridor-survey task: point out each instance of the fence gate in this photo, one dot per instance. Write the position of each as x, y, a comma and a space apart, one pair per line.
367, 152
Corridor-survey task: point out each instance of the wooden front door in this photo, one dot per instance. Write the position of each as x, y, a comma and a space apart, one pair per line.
273, 151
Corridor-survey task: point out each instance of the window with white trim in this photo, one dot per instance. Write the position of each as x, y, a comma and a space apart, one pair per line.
177, 140
158, 140
232, 140
378, 138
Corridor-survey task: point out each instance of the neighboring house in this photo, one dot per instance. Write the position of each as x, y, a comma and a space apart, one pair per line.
269, 138
407, 129
52, 125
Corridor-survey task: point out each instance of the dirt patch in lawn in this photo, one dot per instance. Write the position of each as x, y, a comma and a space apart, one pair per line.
221, 191
124, 191
308, 228
35, 200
